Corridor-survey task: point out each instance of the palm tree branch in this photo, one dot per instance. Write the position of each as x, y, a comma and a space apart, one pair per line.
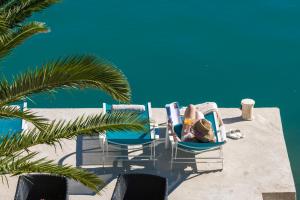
14, 112
71, 72
17, 11
3, 25
23, 164
4, 4
12, 38
119, 121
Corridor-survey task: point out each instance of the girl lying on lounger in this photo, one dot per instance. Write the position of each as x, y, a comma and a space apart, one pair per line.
195, 127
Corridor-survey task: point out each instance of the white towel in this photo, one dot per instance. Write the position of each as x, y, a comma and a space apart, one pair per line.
199, 115
207, 107
125, 107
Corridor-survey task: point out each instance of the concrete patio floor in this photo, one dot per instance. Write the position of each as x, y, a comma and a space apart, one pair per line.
256, 167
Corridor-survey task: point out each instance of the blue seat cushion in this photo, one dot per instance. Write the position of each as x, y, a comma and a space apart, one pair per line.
199, 146
128, 137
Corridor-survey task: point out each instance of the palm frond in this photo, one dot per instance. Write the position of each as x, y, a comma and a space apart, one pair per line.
23, 164
71, 72
29, 116
17, 11
118, 121
12, 38
3, 25
5, 3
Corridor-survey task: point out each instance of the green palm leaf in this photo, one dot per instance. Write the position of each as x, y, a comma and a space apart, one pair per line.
71, 72
20, 164
12, 38
5, 4
14, 112
3, 25
17, 11
119, 121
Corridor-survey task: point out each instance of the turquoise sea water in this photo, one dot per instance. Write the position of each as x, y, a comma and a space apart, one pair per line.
189, 51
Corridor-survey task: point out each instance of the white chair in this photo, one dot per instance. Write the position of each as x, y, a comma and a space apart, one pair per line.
174, 131
130, 140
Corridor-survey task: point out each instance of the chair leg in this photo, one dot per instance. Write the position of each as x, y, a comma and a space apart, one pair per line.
176, 151
172, 153
221, 156
154, 156
106, 151
151, 151
103, 154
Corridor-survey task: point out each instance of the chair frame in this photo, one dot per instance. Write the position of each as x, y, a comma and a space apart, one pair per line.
105, 143
170, 133
24, 123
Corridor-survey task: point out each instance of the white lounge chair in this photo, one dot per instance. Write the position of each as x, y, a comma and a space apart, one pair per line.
174, 129
130, 140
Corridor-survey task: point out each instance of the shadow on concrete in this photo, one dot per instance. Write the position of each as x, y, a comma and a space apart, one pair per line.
232, 120
89, 153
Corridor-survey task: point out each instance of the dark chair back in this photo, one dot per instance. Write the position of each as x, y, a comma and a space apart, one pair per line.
37, 187
140, 186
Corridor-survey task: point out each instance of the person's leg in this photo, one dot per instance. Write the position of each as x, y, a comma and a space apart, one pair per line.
189, 118
190, 112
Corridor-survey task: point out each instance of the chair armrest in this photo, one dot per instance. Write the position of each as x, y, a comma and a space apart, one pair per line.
102, 139
156, 137
153, 128
171, 139
222, 131
172, 135
24, 123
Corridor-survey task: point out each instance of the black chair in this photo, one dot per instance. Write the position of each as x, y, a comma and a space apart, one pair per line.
140, 186
37, 187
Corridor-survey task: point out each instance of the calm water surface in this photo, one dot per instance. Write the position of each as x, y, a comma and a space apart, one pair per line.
189, 51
